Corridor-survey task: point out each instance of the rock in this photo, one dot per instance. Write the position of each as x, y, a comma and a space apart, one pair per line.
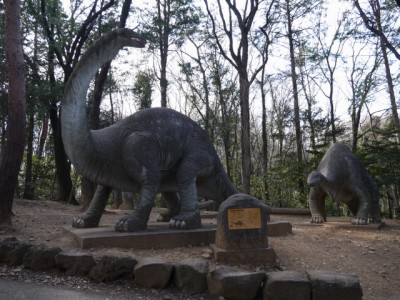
41, 257
17, 254
12, 251
331, 286
286, 285
190, 275
234, 285
5, 246
75, 263
153, 272
110, 268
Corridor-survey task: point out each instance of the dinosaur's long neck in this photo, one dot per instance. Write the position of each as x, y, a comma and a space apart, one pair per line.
77, 138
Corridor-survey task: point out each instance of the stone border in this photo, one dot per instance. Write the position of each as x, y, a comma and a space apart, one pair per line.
191, 276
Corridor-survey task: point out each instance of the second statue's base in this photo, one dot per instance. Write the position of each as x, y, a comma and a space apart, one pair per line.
266, 256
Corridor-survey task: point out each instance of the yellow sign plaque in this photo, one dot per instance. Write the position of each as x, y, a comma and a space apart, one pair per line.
244, 218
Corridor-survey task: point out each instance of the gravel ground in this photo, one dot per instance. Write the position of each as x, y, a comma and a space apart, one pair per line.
371, 254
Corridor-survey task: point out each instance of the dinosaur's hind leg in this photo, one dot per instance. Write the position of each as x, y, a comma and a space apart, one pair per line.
138, 219
171, 199
364, 205
189, 215
189, 169
375, 216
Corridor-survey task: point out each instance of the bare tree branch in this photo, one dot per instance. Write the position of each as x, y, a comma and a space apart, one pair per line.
73, 54
370, 24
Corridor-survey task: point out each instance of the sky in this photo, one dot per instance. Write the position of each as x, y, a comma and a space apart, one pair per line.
124, 63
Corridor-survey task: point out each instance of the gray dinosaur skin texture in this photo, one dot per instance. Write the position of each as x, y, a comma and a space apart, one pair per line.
341, 176
154, 150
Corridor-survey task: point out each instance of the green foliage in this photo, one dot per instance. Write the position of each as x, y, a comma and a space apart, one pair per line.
382, 159
257, 187
142, 89
45, 183
175, 20
283, 186
380, 151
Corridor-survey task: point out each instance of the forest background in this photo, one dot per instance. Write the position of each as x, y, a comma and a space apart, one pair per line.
273, 82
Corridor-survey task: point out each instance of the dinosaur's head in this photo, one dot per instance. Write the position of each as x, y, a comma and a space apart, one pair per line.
128, 37
314, 178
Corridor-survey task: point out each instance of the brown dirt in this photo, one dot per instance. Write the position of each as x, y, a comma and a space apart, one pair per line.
371, 254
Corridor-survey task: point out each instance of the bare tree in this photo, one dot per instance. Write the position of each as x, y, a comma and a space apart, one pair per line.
374, 23
293, 75
199, 89
362, 80
294, 10
239, 59
169, 27
12, 152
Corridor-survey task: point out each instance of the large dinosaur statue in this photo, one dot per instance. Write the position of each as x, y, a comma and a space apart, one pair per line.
341, 176
154, 150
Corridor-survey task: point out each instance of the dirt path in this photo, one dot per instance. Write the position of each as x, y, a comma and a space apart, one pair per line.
373, 255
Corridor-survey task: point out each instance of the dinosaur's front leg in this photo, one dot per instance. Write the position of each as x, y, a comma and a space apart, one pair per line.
189, 216
91, 218
317, 205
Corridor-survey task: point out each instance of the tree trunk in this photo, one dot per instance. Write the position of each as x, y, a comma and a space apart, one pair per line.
264, 136
299, 141
225, 129
245, 132
43, 136
12, 153
392, 96
29, 188
3, 127
309, 117
384, 45
163, 80
63, 167
163, 10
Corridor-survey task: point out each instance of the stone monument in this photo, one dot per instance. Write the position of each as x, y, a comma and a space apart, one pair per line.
241, 236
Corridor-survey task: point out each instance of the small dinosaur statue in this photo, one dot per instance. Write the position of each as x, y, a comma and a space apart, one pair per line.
341, 176
238, 223
154, 150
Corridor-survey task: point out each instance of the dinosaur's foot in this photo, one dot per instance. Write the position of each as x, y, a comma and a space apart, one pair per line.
375, 220
130, 223
186, 220
85, 221
317, 219
359, 221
